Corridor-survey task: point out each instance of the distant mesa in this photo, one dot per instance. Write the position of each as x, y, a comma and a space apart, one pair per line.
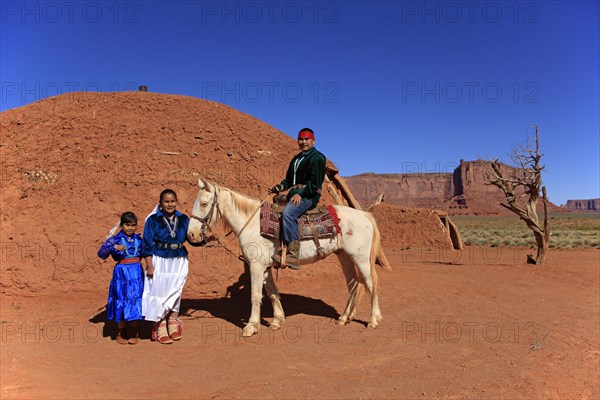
582, 205
461, 192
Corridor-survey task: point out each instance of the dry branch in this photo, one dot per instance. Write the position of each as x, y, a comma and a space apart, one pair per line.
525, 176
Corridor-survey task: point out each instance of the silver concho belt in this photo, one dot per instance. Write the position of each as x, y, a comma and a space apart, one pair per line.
172, 246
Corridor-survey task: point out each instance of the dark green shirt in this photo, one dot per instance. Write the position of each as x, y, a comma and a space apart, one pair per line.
309, 170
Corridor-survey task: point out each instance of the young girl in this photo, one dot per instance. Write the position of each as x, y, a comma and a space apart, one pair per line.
127, 284
166, 268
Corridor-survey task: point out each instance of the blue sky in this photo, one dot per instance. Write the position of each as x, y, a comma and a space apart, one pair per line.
388, 87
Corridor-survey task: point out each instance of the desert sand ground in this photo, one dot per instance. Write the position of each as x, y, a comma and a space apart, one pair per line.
472, 324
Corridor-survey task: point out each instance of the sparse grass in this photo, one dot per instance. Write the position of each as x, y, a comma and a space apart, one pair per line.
568, 231
41, 176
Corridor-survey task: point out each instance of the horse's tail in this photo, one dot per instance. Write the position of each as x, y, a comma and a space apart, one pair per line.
375, 244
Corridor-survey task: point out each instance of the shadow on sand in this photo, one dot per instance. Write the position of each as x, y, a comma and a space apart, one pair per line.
234, 308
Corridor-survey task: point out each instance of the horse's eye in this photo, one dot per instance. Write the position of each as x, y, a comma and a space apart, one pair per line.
204, 204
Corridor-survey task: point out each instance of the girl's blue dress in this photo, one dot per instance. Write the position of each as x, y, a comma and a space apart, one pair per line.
127, 283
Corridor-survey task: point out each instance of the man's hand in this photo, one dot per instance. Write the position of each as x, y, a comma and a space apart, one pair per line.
295, 200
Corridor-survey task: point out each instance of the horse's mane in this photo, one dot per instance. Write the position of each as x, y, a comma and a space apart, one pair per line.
241, 202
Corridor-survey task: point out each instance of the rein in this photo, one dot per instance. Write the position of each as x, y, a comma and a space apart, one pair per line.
207, 220
250, 218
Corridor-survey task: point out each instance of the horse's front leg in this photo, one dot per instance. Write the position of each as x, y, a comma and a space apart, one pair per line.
257, 279
273, 293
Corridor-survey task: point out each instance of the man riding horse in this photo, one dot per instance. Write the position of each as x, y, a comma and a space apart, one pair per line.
304, 179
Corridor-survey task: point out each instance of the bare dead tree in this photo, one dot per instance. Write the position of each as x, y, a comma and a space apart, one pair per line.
521, 187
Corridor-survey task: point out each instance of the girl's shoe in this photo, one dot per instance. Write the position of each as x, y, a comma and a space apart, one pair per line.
162, 335
175, 327
132, 334
121, 336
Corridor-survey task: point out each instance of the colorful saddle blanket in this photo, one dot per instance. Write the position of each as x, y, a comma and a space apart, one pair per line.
326, 223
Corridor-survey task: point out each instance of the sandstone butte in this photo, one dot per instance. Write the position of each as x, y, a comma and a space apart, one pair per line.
461, 192
71, 164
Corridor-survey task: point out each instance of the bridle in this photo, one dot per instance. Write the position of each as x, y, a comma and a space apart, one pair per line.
206, 221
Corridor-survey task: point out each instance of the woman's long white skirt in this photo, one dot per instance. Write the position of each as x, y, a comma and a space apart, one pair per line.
162, 292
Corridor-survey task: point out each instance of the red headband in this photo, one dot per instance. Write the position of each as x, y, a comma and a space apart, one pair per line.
306, 135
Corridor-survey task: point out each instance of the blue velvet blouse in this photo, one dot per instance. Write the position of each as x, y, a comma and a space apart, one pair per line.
156, 232
133, 246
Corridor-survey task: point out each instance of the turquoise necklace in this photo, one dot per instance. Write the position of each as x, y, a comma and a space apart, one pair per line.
136, 245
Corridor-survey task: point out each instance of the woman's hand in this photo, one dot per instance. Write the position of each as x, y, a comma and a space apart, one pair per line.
149, 267
119, 247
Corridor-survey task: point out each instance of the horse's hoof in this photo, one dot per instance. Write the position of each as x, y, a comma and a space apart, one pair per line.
275, 326
372, 325
249, 330
342, 321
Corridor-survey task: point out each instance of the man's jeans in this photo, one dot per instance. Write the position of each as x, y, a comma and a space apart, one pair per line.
291, 213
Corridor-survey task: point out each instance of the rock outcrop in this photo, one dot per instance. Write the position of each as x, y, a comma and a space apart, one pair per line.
461, 192
582, 205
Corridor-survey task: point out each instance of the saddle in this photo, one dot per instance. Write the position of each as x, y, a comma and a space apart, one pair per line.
317, 223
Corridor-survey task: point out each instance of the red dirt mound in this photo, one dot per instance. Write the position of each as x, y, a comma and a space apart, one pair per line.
410, 227
71, 164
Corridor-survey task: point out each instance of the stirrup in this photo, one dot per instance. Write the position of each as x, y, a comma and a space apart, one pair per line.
279, 258
175, 328
162, 335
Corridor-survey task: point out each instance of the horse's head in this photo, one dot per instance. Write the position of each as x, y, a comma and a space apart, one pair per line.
205, 212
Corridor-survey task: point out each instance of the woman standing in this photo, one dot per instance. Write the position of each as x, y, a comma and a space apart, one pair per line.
166, 268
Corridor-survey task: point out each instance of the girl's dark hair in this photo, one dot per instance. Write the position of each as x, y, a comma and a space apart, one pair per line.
166, 192
128, 218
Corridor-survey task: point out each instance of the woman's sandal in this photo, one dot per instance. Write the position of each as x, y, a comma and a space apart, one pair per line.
121, 337
175, 327
133, 335
160, 333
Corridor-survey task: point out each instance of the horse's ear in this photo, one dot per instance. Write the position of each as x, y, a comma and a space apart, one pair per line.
203, 184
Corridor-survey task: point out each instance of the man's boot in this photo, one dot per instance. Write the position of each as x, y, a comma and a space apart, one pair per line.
293, 255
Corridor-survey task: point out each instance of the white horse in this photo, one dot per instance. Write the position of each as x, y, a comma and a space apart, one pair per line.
356, 246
